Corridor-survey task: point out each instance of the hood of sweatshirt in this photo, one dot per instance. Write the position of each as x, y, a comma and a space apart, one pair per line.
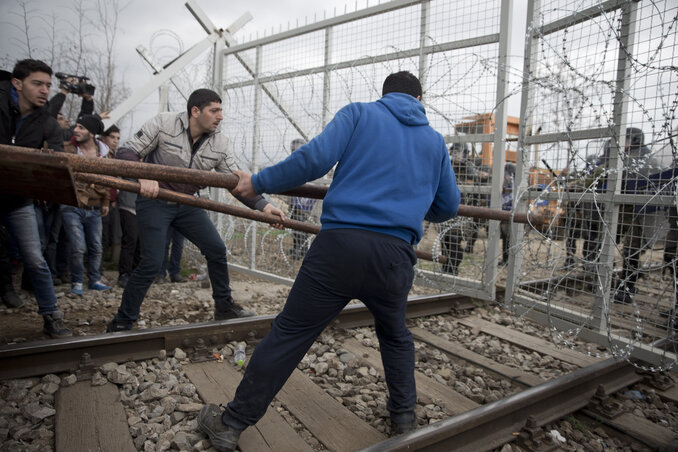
406, 108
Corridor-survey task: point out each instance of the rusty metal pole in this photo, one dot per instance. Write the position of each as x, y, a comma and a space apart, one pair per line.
140, 170
182, 198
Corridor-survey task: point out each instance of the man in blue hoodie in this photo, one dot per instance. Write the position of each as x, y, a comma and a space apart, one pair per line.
392, 172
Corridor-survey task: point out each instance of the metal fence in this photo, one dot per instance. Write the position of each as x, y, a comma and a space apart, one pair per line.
591, 71
289, 85
598, 113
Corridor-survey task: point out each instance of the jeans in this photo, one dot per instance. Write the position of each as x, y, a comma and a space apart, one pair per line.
342, 264
83, 227
154, 217
22, 225
174, 238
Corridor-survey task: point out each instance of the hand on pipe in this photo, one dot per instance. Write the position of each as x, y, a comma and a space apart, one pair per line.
273, 210
244, 187
149, 188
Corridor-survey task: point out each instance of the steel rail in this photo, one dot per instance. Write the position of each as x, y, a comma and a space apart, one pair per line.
85, 352
140, 170
490, 426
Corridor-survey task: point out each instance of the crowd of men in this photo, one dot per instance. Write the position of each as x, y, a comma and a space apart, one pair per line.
65, 243
372, 216
392, 171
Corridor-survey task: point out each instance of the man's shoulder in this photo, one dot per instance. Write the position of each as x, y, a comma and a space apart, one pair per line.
168, 121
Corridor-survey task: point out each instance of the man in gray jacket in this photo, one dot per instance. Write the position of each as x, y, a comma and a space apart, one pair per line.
188, 140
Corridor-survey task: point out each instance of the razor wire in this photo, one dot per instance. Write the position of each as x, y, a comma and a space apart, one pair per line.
573, 78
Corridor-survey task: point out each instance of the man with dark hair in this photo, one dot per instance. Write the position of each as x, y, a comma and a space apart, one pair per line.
25, 121
392, 172
111, 138
402, 82
188, 140
83, 223
111, 232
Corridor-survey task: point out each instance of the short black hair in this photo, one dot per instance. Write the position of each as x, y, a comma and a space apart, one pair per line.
402, 82
111, 130
201, 98
24, 68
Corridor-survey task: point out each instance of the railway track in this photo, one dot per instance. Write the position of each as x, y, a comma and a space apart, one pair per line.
308, 413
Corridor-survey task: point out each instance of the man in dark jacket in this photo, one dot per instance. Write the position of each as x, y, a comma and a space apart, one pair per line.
26, 121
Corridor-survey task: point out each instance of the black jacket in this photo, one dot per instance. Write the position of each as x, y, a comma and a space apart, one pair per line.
38, 127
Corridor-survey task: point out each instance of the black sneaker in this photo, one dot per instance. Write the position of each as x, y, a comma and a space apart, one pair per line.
234, 311
178, 278
224, 438
10, 298
115, 326
398, 428
55, 326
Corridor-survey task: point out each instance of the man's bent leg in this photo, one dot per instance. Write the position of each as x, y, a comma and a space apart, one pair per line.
194, 224
153, 218
308, 310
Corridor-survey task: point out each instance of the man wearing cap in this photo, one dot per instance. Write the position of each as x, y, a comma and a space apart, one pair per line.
83, 223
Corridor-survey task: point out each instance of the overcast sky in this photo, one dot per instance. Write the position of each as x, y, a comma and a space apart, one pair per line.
140, 19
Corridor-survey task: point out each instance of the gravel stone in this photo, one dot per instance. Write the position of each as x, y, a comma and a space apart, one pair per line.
69, 380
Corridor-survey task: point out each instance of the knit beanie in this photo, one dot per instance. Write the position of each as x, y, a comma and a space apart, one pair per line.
92, 123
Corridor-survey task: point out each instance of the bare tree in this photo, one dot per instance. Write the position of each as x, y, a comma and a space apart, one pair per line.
78, 40
104, 68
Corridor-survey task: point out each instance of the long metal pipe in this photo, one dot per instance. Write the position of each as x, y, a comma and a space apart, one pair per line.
182, 198
140, 170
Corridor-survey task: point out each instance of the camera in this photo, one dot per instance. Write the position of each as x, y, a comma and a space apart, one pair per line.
81, 86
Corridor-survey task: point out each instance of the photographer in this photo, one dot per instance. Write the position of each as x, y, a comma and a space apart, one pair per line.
76, 85
55, 241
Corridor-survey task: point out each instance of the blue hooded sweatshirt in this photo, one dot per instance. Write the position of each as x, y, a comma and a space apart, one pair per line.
393, 169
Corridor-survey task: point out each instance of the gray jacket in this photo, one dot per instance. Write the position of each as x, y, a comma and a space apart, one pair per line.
165, 140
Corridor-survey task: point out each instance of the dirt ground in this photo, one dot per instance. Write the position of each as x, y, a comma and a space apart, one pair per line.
165, 304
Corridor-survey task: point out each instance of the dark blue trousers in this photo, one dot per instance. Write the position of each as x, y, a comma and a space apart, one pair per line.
341, 265
172, 258
154, 217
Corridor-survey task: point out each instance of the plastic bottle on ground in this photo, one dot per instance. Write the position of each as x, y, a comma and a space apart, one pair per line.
239, 355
